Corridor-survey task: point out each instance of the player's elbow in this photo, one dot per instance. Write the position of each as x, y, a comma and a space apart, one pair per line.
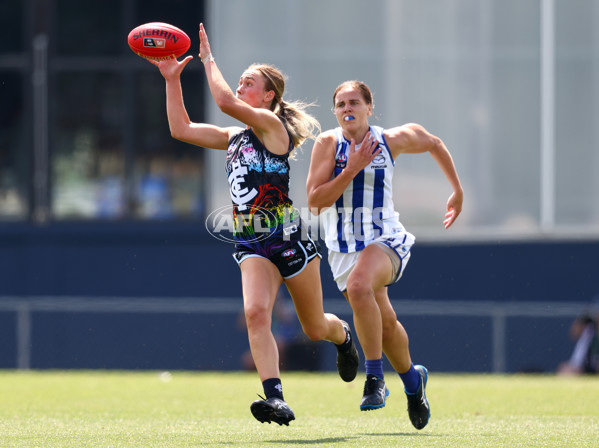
315, 210
177, 133
437, 143
313, 205
182, 130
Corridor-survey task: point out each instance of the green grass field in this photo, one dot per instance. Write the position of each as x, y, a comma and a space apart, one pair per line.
188, 409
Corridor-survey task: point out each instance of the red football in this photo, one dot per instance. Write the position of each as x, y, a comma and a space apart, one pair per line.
158, 41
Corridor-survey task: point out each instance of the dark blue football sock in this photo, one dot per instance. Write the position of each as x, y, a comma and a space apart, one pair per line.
273, 388
411, 380
375, 367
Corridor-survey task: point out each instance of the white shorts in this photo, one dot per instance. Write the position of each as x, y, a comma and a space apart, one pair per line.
397, 246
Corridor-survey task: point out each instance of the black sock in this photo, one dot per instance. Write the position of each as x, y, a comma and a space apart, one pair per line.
344, 346
273, 388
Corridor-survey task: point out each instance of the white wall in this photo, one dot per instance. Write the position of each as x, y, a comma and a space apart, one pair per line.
468, 70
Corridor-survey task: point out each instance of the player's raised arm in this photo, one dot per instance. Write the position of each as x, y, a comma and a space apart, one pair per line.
247, 104
181, 127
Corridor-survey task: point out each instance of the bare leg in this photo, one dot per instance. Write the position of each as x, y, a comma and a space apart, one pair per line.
395, 338
306, 291
261, 281
371, 272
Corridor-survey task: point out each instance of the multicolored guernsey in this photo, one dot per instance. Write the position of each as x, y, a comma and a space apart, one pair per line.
263, 213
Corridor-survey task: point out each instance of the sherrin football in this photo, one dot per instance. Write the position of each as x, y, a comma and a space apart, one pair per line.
158, 41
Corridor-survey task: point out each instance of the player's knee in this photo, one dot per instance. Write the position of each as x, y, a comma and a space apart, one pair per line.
359, 292
257, 316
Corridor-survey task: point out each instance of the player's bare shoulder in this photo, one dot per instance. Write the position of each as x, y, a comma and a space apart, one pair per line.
407, 138
327, 137
325, 142
404, 132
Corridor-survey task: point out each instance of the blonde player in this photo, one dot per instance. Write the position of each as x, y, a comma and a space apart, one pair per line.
270, 247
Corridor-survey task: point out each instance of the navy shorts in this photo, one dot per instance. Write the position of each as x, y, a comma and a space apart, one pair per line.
290, 260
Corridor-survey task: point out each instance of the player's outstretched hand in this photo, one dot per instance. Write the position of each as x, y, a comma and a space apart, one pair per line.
204, 43
454, 208
171, 68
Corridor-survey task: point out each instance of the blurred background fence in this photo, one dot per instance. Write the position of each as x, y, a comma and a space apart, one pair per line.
192, 334
104, 258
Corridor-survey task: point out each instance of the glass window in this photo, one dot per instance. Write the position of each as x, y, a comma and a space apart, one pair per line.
14, 144
180, 13
90, 28
473, 79
11, 26
111, 155
87, 160
577, 113
95, 175
167, 173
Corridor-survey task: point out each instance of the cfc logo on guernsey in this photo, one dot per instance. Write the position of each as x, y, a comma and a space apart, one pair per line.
240, 194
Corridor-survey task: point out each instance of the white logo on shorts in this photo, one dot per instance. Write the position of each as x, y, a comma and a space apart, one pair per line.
290, 229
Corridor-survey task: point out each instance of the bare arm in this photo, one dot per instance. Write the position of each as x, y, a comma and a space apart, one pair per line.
414, 139
324, 191
181, 127
264, 122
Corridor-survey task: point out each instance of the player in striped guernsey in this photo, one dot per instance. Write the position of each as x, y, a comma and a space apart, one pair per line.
350, 182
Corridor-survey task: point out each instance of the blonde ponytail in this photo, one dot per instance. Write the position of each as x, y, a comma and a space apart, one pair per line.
300, 124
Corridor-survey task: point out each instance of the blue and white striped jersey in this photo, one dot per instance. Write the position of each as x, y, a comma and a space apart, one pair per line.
365, 210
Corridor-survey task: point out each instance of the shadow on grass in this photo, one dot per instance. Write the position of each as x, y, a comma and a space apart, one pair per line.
400, 434
347, 439
311, 441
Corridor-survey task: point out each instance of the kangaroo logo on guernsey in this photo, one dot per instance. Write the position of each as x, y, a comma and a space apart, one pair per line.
240, 194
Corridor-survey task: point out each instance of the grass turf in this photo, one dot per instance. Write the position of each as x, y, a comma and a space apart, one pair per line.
211, 409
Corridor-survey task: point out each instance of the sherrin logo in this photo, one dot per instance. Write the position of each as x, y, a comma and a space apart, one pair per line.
156, 33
